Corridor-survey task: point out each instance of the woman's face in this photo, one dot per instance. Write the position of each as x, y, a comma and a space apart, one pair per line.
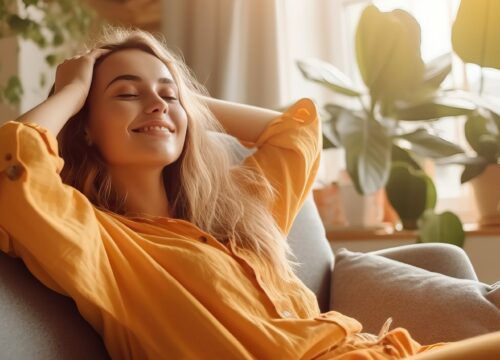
130, 91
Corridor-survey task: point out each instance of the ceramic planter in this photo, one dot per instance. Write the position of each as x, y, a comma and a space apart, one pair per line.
487, 194
340, 206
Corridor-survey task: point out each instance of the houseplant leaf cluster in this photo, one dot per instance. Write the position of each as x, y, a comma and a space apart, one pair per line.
400, 88
475, 35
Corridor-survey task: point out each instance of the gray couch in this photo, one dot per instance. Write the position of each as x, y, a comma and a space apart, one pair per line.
37, 323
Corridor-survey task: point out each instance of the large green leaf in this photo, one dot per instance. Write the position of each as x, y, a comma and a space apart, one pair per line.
489, 103
488, 147
328, 143
329, 126
478, 125
410, 192
445, 228
472, 170
476, 31
473, 166
399, 154
327, 75
427, 145
437, 70
462, 159
368, 151
388, 53
434, 108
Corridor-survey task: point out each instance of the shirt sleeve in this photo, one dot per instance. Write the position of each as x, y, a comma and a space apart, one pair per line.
50, 225
288, 155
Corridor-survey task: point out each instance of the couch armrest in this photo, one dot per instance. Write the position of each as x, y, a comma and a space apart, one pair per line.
442, 258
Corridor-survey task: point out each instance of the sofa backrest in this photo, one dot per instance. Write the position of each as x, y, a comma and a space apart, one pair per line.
309, 243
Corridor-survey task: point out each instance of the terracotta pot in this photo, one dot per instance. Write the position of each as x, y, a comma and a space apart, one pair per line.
339, 205
487, 194
330, 210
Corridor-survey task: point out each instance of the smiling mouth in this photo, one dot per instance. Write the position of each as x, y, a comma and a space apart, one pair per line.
152, 129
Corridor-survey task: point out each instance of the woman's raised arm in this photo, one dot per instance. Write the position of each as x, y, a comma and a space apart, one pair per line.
244, 122
72, 85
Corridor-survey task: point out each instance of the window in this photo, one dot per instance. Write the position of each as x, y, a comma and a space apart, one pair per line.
435, 18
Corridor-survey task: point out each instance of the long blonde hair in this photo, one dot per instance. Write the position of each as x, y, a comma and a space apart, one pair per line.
205, 187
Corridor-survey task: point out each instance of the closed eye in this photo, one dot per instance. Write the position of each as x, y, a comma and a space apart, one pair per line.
127, 95
172, 98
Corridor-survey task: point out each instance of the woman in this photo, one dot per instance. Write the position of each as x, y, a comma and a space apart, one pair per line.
169, 249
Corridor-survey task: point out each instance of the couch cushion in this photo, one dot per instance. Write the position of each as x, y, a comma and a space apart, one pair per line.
432, 306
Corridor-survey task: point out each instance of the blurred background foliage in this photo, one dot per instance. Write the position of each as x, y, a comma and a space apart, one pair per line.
58, 27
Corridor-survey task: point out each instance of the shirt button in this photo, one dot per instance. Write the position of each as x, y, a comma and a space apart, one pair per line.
286, 314
14, 172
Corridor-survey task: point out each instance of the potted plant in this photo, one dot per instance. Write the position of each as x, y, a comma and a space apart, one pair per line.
475, 40
400, 89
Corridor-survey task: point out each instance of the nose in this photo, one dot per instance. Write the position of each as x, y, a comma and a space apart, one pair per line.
157, 104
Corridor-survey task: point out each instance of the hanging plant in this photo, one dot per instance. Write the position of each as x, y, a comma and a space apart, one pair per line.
57, 26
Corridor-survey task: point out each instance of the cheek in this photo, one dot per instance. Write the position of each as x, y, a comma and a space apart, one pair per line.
180, 118
110, 135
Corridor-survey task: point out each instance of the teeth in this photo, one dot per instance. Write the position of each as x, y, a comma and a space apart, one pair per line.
149, 128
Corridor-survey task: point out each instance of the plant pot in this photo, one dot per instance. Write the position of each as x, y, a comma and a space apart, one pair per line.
340, 206
330, 210
487, 195
363, 211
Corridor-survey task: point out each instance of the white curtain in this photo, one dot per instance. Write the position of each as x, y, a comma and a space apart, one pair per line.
246, 50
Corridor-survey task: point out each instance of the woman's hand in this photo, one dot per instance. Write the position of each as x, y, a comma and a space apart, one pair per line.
71, 88
76, 72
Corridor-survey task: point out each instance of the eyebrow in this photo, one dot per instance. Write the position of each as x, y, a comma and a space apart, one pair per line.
138, 78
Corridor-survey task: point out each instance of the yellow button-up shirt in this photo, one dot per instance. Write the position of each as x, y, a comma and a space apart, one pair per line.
157, 287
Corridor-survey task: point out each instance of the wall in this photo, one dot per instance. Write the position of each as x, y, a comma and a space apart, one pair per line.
9, 65
26, 60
